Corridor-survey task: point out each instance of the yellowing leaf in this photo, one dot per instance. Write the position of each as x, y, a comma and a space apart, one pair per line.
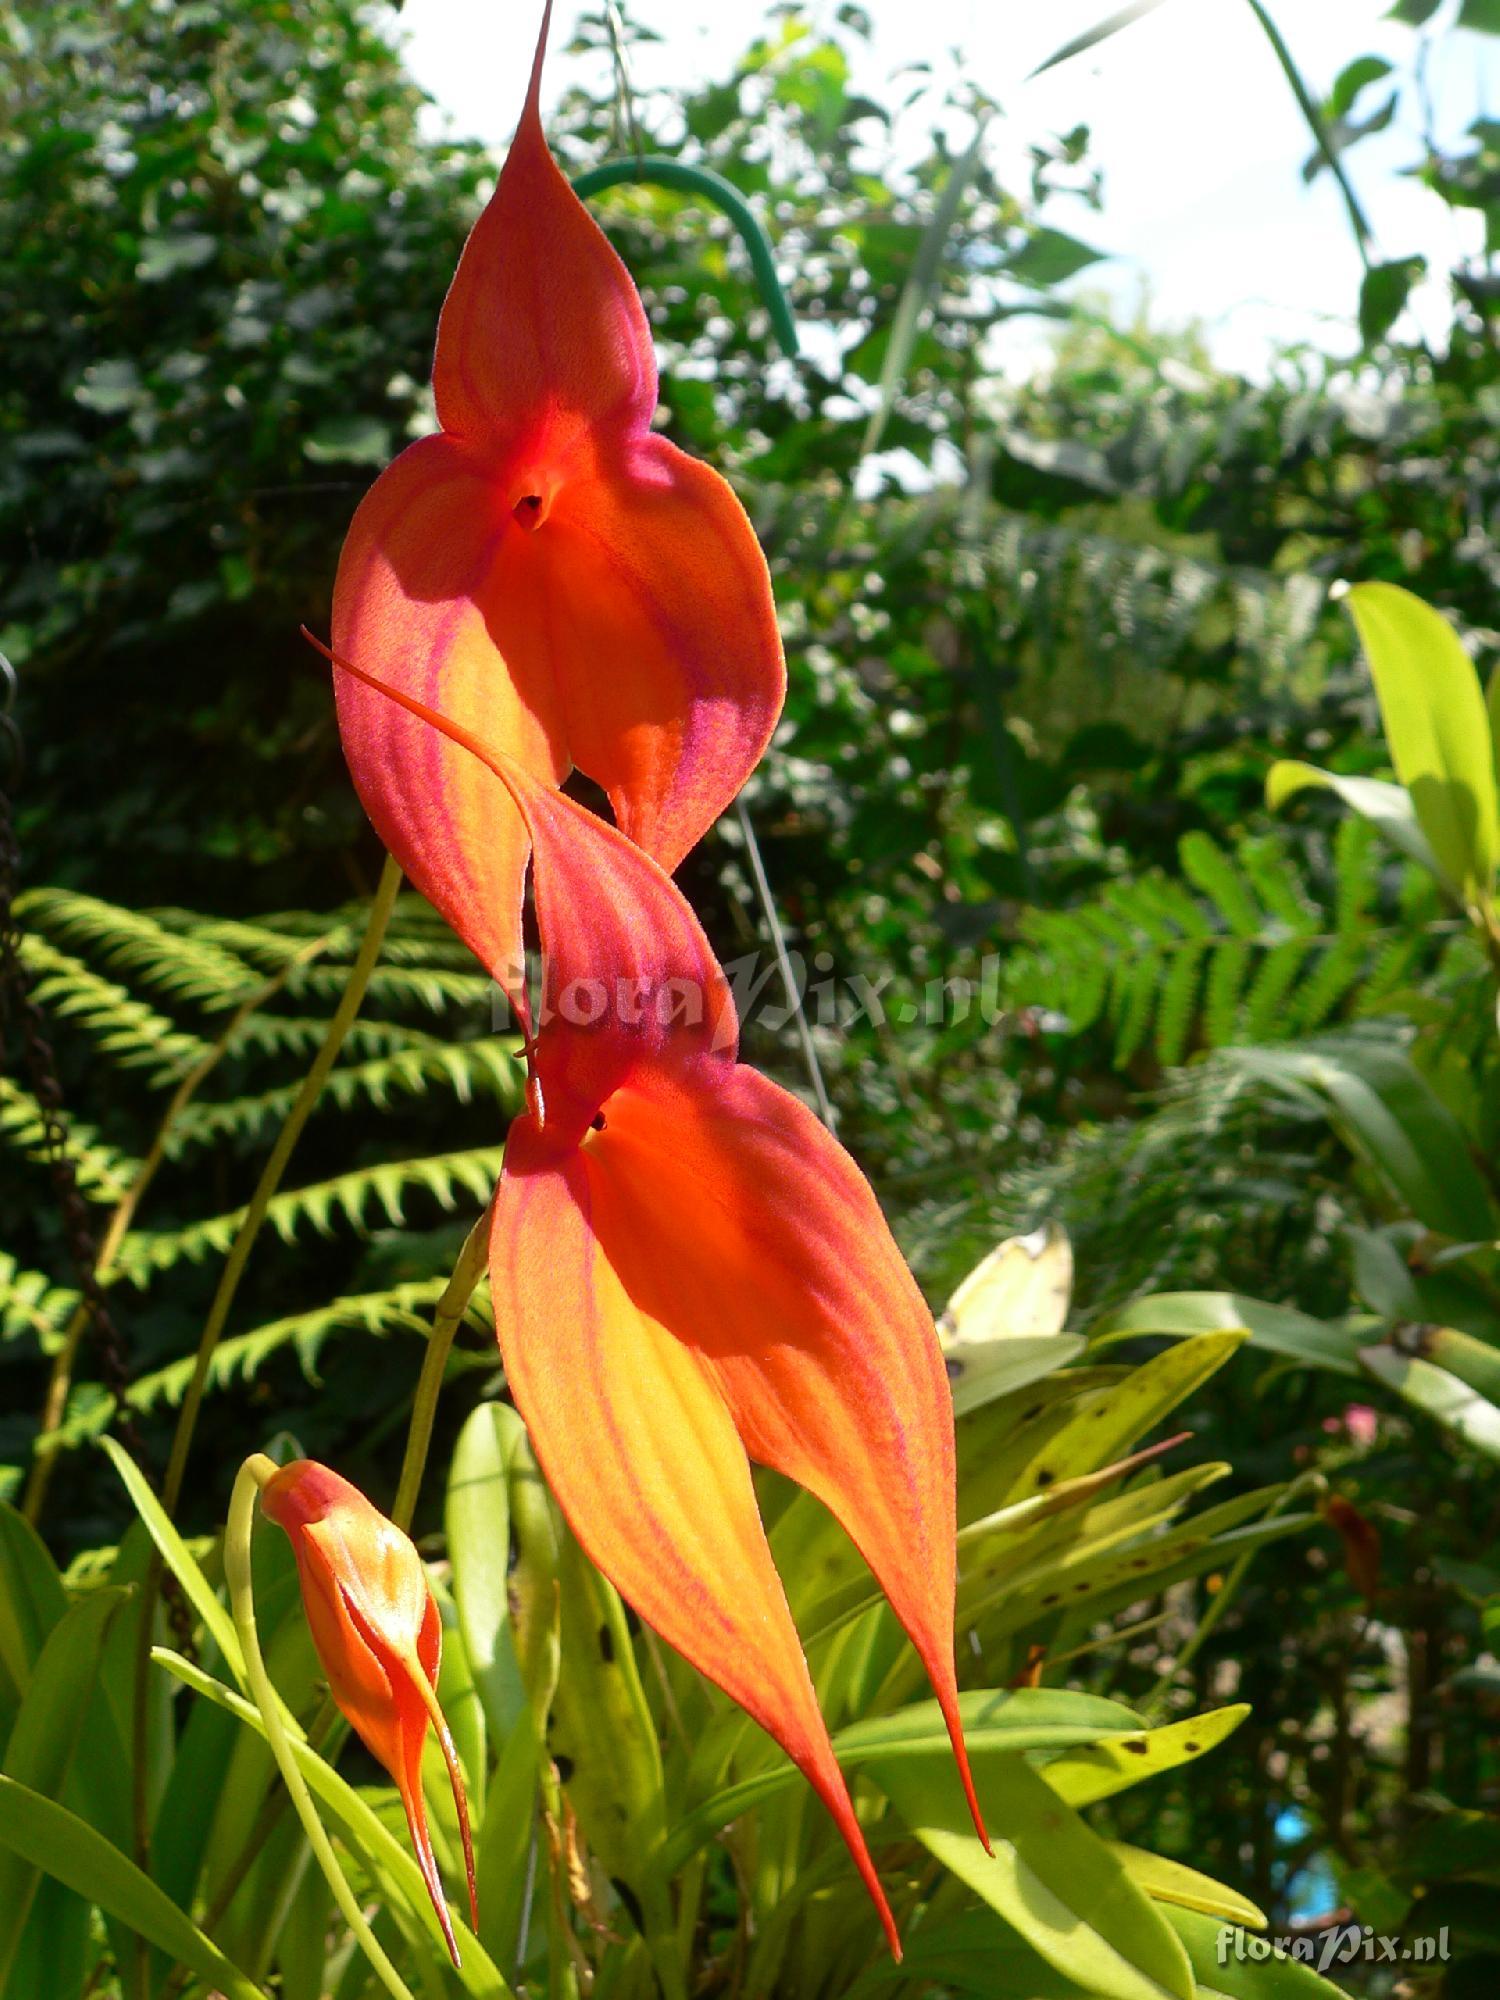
1171, 1882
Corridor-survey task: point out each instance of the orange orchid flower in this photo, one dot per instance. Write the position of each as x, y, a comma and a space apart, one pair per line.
378, 1633
548, 573
689, 1272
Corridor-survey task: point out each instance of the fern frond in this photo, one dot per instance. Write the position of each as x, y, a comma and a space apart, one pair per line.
103, 1172
178, 963
1210, 869
31, 1304
298, 1037
404, 1308
434, 988
1252, 955
465, 1068
119, 1025
1264, 1007
351, 1198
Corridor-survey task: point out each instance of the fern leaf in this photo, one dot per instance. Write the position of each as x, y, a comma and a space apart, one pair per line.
466, 1068
1178, 1002
1279, 885
31, 1304
1338, 971
404, 1308
1227, 969
103, 1172
174, 962
1210, 869
1135, 1003
298, 1037
1264, 1019
352, 1197
1357, 854
119, 1025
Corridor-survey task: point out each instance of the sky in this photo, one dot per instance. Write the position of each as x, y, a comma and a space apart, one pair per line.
1198, 136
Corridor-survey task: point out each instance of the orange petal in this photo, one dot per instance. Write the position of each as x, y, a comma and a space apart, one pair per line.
541, 317
742, 1226
664, 644
378, 1634
630, 979
549, 574
639, 1447
425, 582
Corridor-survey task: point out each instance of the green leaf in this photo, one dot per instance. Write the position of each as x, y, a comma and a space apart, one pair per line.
1049, 257
1437, 731
921, 288
1114, 1763
994, 1719
32, 1600
178, 1557
59, 1843
1387, 807
1005, 1719
1415, 13
1439, 1394
1225, 1961
1278, 1329
1049, 1876
44, 1738
1474, 1361
379, 1849
1323, 138
982, 1372
1383, 293
1352, 79
1112, 1422
602, 1726
1482, 16
1170, 1882
1100, 32
1387, 1111
477, 1519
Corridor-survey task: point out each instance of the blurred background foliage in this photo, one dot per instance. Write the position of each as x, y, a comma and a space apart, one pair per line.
1046, 638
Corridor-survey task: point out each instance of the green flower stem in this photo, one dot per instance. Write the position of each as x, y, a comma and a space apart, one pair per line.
120, 1223
223, 1299
253, 1474
445, 1324
712, 187
275, 1167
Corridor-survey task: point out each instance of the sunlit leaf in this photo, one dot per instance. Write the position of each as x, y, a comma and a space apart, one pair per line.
1437, 731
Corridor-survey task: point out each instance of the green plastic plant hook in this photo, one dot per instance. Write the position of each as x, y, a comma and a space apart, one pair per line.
662, 172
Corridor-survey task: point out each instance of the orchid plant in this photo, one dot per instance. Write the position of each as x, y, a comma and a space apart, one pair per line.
690, 1278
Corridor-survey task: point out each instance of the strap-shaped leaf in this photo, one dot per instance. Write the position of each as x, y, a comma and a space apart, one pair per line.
1172, 1882
1387, 807
1437, 730
44, 1740
1114, 1763
1432, 1389
1051, 1878
57, 1841
378, 1848
1278, 1329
